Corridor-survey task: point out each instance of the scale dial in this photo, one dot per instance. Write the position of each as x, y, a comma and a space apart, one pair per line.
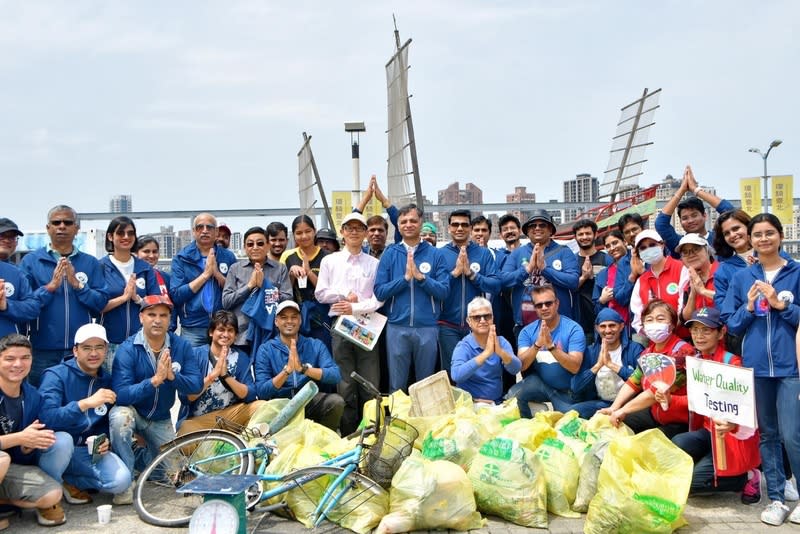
214, 517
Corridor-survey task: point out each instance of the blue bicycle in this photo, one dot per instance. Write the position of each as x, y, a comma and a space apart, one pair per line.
327, 491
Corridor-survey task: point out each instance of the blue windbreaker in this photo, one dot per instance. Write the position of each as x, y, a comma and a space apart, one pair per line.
272, 357
31, 404
728, 267
562, 271
411, 303
62, 387
461, 289
768, 344
123, 321
67, 309
186, 266
21, 303
133, 368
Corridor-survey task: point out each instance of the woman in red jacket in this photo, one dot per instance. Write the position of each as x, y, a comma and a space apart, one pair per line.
741, 443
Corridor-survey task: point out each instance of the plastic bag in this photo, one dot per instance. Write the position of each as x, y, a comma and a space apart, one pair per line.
643, 486
570, 424
398, 403
455, 439
587, 483
508, 482
307, 433
550, 418
599, 428
561, 472
425, 424
529, 433
430, 495
267, 412
494, 417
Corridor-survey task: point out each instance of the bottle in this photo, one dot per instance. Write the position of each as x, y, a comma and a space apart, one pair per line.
761, 307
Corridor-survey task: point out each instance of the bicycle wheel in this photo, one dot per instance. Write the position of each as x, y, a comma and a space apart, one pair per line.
360, 508
156, 498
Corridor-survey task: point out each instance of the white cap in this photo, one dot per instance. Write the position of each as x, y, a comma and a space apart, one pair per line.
647, 234
691, 239
89, 331
354, 216
287, 304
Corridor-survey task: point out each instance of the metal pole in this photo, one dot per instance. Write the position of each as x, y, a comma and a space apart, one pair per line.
765, 209
356, 192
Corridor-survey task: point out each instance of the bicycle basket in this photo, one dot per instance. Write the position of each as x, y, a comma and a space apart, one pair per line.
392, 446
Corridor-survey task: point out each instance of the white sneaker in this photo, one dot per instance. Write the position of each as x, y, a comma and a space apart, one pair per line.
794, 517
126, 497
775, 513
790, 490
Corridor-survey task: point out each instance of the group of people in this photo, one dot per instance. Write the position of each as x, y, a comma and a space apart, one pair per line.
97, 350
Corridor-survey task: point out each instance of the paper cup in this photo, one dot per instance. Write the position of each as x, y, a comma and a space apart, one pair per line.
90, 444
104, 514
302, 282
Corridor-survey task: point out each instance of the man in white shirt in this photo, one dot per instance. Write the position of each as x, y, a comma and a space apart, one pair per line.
346, 279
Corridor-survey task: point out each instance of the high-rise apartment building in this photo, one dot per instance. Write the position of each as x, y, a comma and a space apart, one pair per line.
121, 204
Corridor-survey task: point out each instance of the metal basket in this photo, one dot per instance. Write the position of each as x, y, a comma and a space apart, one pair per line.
392, 446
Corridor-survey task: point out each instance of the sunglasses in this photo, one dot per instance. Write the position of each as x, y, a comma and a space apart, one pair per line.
542, 305
200, 227
482, 317
251, 244
538, 225
125, 233
62, 222
459, 224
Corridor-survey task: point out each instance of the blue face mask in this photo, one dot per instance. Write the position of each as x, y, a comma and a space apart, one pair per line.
652, 255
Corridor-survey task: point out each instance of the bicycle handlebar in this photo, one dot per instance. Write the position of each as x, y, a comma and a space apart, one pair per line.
367, 385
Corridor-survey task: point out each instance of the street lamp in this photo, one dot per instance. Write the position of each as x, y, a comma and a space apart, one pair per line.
355, 129
764, 156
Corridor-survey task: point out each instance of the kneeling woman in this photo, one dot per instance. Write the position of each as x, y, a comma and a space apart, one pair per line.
642, 409
740, 443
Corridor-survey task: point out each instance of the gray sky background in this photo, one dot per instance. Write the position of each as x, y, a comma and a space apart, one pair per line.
202, 105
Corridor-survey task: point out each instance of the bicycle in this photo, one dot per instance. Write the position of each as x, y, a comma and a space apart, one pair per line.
330, 490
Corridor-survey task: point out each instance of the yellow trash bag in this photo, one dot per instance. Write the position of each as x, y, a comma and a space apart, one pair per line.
570, 424
642, 487
307, 433
529, 433
561, 472
430, 495
290, 458
508, 482
267, 412
454, 438
493, 417
424, 424
550, 418
398, 403
599, 428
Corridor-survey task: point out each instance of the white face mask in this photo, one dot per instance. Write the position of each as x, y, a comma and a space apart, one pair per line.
652, 255
657, 332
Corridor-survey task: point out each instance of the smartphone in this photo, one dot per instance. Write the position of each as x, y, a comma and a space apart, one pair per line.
98, 441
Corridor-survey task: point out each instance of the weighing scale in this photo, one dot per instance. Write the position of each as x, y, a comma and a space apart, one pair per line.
224, 508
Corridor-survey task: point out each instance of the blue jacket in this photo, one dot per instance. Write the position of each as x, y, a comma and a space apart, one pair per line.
123, 321
67, 309
728, 267
62, 387
461, 289
31, 404
623, 288
412, 303
238, 367
562, 271
21, 303
671, 237
272, 357
186, 266
583, 382
133, 368
768, 344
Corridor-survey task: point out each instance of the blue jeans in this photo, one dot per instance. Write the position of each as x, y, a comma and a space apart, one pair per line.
587, 409
533, 389
109, 474
55, 459
196, 336
42, 359
124, 421
448, 339
778, 406
404, 344
697, 444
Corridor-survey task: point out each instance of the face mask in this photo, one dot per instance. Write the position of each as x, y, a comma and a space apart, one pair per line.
651, 255
657, 332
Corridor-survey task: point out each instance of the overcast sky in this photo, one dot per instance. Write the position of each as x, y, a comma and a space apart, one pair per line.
202, 105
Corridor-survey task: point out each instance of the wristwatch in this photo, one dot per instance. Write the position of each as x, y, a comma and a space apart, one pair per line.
305, 367
551, 348
286, 370
226, 375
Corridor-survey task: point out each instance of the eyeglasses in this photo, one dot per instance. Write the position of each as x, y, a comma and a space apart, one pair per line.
542, 305
685, 251
354, 228
125, 233
251, 244
482, 317
60, 222
459, 224
539, 225
92, 348
200, 227
9, 236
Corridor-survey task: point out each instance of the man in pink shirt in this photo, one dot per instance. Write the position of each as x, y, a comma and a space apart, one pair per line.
346, 279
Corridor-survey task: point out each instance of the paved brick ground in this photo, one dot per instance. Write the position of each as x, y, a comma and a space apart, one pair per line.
719, 513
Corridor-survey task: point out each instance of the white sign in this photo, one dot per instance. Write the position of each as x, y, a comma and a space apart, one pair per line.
721, 391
